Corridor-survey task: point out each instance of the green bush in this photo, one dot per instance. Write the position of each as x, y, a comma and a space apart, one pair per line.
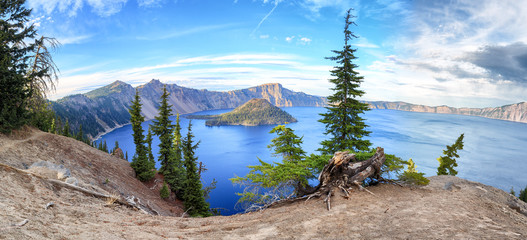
411, 175
165, 192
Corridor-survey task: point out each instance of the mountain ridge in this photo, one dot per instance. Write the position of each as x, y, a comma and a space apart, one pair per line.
106, 108
516, 112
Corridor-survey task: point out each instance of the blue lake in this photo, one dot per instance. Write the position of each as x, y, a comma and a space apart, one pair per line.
495, 151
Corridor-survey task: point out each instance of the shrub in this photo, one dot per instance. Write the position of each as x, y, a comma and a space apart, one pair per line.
165, 192
411, 175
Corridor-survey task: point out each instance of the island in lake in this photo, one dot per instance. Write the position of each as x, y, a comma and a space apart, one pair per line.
253, 113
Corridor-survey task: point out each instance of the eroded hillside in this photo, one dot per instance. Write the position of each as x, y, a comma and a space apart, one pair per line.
449, 208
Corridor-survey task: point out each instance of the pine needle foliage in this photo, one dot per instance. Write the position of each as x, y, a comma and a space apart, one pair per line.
342, 121
27, 70
523, 194
144, 169
149, 140
447, 163
164, 192
411, 175
14, 62
162, 127
193, 196
175, 174
269, 182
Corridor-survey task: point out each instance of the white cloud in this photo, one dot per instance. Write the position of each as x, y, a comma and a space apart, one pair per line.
73, 39
185, 32
264, 36
456, 50
224, 72
102, 8
305, 40
289, 39
314, 6
150, 3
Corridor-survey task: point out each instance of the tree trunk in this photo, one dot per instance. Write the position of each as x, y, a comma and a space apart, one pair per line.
342, 172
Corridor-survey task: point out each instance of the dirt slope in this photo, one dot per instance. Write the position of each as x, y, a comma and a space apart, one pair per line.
449, 208
94, 169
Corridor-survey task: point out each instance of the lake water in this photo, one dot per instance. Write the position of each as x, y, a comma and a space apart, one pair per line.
495, 151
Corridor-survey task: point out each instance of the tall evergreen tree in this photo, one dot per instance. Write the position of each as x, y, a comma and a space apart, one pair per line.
342, 120
163, 128
66, 129
15, 28
149, 146
53, 127
193, 196
175, 172
27, 70
448, 162
142, 167
80, 134
105, 146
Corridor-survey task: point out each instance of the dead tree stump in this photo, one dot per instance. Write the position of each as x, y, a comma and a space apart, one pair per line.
342, 172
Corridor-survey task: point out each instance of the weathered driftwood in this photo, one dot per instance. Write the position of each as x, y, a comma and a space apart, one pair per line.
342, 172
132, 201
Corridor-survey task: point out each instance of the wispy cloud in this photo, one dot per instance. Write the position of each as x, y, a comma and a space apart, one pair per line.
185, 32
305, 40
275, 2
463, 50
102, 8
73, 39
224, 72
150, 3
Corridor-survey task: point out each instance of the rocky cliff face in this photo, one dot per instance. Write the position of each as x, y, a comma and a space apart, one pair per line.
106, 108
514, 112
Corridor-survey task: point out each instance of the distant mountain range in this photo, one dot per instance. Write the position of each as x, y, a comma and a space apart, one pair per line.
514, 112
106, 108
103, 109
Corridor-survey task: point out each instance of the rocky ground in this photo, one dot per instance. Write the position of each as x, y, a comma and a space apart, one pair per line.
448, 208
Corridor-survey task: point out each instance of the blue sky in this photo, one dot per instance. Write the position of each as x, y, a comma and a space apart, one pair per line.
459, 53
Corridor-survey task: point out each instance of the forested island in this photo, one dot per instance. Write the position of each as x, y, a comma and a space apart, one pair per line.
253, 113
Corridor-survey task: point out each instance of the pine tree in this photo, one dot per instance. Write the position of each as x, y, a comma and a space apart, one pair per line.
163, 128
142, 167
27, 70
15, 28
149, 146
269, 182
116, 145
80, 134
342, 120
53, 128
523, 194
448, 162
175, 172
412, 176
164, 192
193, 196
287, 144
66, 129
105, 146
